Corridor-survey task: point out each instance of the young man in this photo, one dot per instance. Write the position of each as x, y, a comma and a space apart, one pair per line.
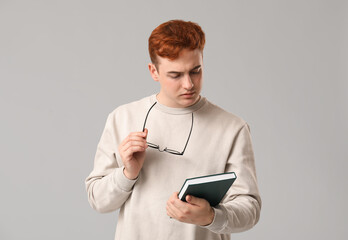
149, 147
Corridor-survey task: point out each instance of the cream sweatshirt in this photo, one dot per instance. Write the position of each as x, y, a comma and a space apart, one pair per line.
219, 142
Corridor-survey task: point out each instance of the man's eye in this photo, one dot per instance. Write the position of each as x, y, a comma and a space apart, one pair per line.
195, 72
175, 76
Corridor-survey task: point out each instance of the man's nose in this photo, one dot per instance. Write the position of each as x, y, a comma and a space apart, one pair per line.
187, 82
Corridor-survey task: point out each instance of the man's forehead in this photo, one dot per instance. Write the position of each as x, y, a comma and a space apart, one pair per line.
173, 67
181, 64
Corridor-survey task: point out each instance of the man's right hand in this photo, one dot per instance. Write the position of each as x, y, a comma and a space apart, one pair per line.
132, 151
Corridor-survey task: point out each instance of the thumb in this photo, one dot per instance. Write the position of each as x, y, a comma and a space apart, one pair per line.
194, 200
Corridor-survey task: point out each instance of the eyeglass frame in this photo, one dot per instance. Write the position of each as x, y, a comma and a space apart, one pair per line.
171, 151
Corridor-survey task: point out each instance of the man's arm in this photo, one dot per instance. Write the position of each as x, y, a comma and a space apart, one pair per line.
240, 209
107, 186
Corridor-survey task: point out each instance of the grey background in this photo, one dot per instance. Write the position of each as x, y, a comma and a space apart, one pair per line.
280, 65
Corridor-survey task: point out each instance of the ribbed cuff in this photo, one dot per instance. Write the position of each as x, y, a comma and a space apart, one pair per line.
219, 222
122, 181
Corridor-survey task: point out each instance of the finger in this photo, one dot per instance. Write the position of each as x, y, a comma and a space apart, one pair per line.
137, 142
146, 132
172, 211
132, 136
139, 134
180, 214
171, 201
179, 204
195, 200
131, 143
175, 195
134, 149
135, 138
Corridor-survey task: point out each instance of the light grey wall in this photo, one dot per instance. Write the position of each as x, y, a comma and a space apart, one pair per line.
280, 65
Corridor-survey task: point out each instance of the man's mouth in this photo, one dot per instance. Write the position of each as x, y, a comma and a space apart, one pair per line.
188, 94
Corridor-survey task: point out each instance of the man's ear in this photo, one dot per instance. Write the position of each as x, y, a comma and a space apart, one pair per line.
153, 72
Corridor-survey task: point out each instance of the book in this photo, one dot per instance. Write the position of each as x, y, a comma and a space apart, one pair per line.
211, 187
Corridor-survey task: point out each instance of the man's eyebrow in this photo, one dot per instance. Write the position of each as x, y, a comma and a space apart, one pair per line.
174, 72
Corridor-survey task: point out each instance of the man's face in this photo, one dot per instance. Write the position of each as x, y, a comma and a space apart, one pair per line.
180, 79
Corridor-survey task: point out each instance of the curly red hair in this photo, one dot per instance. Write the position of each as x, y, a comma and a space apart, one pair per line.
170, 38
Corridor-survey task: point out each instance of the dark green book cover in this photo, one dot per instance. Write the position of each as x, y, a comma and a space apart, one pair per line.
211, 187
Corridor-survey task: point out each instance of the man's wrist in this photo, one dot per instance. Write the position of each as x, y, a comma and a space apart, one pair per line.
210, 218
128, 175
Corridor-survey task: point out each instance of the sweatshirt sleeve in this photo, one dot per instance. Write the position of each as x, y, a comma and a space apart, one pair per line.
107, 186
240, 209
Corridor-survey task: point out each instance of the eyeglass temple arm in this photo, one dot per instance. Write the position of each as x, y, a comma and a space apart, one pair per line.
188, 136
148, 115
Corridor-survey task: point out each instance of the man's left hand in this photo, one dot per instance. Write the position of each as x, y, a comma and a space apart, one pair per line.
196, 210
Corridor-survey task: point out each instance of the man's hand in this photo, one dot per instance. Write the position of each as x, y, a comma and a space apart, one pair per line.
196, 210
132, 151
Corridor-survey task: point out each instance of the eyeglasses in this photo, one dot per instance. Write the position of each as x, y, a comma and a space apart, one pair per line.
155, 146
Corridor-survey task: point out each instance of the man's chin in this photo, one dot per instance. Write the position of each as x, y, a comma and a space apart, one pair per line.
187, 102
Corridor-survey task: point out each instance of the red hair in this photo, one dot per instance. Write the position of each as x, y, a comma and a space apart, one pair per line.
170, 38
